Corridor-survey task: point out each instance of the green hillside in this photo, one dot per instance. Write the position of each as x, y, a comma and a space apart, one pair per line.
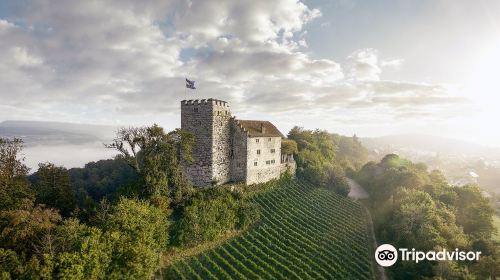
304, 233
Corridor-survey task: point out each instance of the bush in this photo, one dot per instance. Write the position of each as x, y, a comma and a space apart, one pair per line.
211, 213
139, 233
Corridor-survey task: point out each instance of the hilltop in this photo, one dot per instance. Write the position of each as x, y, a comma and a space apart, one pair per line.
305, 232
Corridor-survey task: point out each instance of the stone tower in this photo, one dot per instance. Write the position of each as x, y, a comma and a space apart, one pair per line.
210, 122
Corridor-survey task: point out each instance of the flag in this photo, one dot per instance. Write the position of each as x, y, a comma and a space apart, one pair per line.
190, 84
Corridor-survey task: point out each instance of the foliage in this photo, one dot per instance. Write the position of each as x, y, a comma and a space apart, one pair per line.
414, 208
419, 223
316, 159
474, 213
383, 179
211, 213
53, 188
14, 187
335, 179
30, 229
36, 245
108, 179
157, 156
351, 154
85, 252
289, 147
139, 232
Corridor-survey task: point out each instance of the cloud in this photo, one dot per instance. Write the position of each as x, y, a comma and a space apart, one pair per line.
363, 65
96, 61
21, 57
247, 20
392, 63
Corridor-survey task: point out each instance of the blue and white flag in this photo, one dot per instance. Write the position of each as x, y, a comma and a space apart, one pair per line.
190, 84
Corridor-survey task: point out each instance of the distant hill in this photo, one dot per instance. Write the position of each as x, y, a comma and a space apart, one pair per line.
433, 144
66, 144
462, 162
55, 133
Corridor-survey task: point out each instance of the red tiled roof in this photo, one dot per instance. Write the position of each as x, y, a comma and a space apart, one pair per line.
260, 129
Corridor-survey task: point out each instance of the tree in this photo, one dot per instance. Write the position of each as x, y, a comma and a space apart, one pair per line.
53, 188
391, 174
419, 223
84, 252
157, 157
30, 229
336, 180
210, 214
139, 232
14, 187
316, 159
108, 179
288, 147
474, 212
351, 154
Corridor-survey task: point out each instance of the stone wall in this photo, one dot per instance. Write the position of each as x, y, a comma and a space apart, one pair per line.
221, 142
239, 152
209, 121
196, 117
263, 159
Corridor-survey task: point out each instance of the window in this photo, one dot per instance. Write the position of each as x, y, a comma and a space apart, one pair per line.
269, 139
255, 164
273, 151
196, 109
272, 161
257, 140
238, 164
258, 152
268, 162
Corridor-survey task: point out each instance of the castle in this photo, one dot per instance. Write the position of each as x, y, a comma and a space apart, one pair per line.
231, 150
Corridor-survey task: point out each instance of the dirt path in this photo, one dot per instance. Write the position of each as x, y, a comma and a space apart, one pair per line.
357, 192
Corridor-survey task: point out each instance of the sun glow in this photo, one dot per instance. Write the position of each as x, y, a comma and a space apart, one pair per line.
482, 88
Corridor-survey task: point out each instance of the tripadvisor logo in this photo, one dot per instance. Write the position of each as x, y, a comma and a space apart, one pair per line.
387, 255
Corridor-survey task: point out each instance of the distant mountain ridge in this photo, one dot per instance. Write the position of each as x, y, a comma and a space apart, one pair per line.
55, 133
429, 143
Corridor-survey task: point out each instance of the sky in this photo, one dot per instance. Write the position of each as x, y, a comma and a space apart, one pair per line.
369, 68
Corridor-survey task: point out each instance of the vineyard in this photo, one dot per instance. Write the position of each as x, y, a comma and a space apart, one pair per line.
304, 233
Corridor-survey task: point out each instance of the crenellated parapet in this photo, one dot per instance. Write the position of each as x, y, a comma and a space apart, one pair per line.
201, 102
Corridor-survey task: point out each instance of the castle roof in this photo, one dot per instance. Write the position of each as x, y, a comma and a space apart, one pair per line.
260, 128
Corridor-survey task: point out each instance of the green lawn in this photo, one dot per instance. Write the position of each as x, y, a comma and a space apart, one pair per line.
304, 233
